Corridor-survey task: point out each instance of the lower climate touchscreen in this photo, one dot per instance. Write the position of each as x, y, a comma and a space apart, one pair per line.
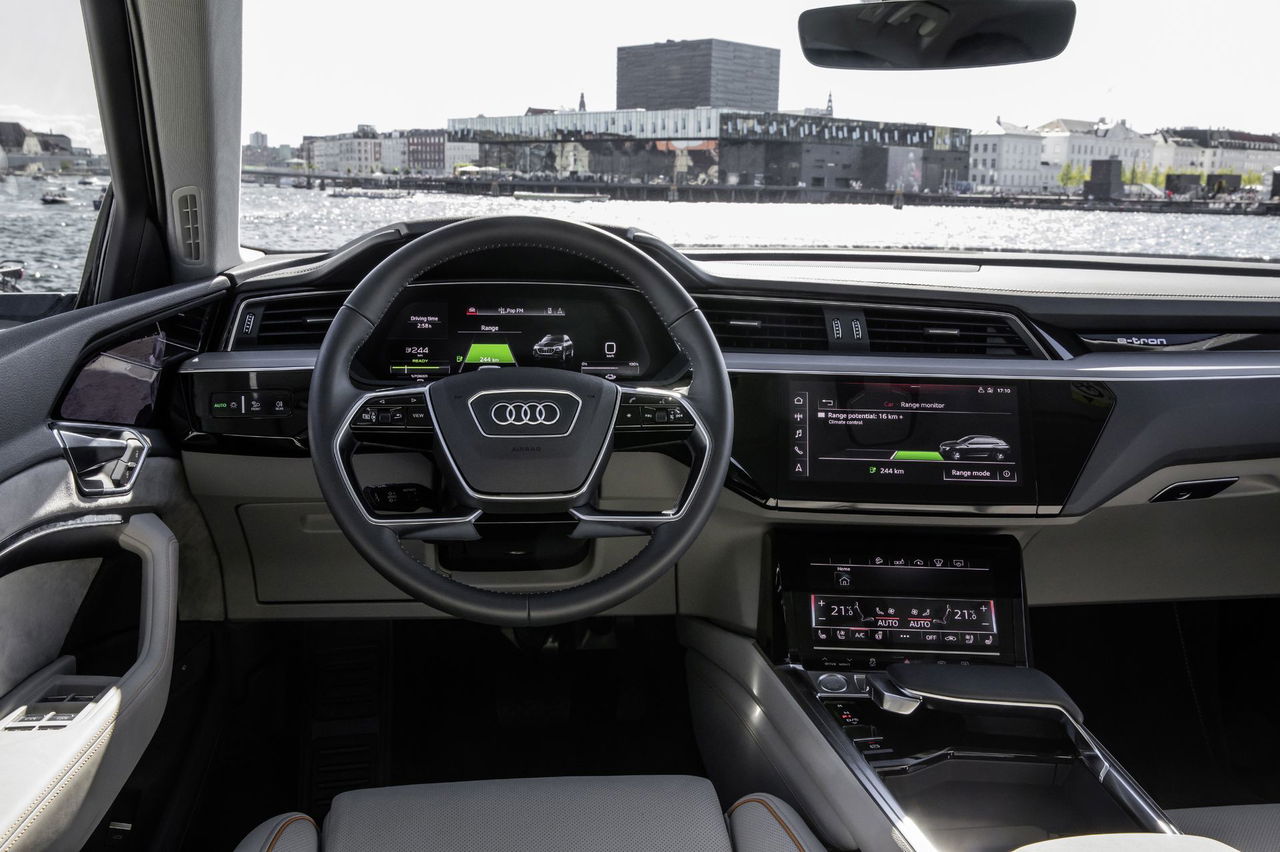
870, 600
874, 623
918, 434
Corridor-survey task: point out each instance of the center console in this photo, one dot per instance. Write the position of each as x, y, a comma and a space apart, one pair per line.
907, 652
911, 648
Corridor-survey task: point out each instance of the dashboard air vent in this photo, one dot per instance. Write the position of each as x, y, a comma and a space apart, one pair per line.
294, 321
977, 334
767, 325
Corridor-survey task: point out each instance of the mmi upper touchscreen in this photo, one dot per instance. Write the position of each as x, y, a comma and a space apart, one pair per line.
905, 433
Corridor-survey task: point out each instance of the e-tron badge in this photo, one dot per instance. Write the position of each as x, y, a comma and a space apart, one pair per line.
525, 414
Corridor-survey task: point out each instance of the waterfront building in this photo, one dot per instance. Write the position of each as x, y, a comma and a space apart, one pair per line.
1007, 158
394, 152
257, 139
708, 72
1079, 143
425, 152
29, 150
358, 153
460, 153
16, 139
696, 123
710, 145
1197, 150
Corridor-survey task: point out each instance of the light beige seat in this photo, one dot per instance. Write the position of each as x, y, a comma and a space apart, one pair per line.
659, 813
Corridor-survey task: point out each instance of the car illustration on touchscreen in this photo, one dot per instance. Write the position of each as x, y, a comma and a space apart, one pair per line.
555, 347
976, 447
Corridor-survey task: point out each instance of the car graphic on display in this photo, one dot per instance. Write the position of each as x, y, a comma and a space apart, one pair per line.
557, 347
976, 447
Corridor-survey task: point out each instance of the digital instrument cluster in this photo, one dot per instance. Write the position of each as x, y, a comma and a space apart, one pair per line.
438, 330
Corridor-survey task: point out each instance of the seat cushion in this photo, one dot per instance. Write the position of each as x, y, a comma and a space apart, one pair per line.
660, 813
1249, 828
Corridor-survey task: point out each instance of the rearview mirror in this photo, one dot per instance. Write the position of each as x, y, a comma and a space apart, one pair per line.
930, 34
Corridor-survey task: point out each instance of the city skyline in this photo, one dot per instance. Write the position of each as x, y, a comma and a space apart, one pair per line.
1126, 61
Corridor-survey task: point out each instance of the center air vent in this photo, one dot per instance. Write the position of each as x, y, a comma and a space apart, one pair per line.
767, 325
763, 325
967, 334
299, 320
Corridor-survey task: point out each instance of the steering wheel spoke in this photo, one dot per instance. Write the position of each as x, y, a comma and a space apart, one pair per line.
458, 526
663, 417
648, 417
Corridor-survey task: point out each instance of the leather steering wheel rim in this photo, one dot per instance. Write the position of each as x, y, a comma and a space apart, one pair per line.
333, 394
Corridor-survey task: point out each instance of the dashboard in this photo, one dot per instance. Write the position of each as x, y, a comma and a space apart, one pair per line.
1062, 444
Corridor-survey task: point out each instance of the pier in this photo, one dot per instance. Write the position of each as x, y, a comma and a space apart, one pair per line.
695, 193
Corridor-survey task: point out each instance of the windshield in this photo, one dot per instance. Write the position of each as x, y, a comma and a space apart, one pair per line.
704, 124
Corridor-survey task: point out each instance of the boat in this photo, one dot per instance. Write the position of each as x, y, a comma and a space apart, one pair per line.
11, 272
57, 196
560, 196
86, 181
386, 194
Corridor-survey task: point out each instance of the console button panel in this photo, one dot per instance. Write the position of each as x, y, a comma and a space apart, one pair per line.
860, 602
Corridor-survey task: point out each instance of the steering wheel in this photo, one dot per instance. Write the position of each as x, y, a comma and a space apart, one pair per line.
515, 443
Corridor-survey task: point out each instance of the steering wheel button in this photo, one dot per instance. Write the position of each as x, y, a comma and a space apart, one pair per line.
417, 417
397, 417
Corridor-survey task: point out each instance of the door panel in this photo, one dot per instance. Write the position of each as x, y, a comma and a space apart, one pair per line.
70, 735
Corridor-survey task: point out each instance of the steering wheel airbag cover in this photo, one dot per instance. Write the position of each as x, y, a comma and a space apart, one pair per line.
516, 432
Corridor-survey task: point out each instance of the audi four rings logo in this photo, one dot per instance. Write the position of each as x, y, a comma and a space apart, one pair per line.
525, 413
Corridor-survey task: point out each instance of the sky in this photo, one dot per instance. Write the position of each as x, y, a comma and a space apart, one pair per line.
324, 66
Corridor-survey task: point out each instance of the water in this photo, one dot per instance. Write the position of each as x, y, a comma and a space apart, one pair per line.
52, 238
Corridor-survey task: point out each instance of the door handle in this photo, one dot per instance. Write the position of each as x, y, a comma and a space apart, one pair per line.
103, 459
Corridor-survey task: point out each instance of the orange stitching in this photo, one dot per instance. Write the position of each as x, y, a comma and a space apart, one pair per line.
280, 831
768, 807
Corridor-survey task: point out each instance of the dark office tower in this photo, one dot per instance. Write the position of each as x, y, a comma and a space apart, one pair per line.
707, 72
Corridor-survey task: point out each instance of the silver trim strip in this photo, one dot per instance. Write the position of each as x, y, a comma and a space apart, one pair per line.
742, 363
21, 540
938, 508
855, 365
1229, 480
251, 361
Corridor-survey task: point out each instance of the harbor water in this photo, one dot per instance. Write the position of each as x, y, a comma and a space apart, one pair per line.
52, 239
